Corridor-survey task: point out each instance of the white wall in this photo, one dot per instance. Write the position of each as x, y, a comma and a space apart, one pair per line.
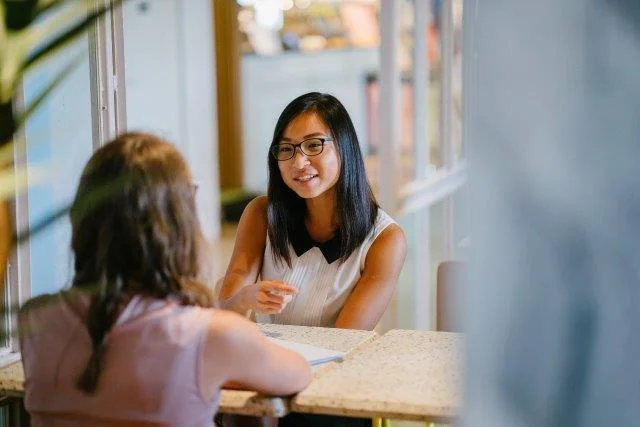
170, 87
270, 83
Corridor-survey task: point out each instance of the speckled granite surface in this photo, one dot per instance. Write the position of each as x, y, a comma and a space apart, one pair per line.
12, 379
252, 403
334, 339
414, 375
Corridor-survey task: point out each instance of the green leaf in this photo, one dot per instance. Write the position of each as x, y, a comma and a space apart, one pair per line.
22, 50
19, 13
12, 180
13, 51
7, 122
6, 152
22, 118
10, 124
42, 225
85, 205
69, 35
46, 5
19, 45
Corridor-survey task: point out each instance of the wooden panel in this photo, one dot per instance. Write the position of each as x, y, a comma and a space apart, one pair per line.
227, 43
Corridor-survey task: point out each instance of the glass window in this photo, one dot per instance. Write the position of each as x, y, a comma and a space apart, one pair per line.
276, 26
456, 104
428, 158
59, 142
461, 223
424, 231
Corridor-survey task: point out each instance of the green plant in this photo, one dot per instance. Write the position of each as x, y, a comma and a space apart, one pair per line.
32, 31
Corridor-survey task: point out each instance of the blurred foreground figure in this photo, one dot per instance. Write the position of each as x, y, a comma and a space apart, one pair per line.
553, 300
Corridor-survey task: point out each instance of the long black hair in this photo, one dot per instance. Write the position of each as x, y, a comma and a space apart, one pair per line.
144, 237
356, 205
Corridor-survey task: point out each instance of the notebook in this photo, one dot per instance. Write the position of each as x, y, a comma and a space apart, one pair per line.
314, 355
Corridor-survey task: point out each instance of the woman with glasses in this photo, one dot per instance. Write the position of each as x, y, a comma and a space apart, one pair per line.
317, 250
135, 341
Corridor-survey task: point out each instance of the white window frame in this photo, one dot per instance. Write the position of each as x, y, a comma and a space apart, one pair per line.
441, 184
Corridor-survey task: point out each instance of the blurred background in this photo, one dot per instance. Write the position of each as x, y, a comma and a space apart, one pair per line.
213, 76
543, 97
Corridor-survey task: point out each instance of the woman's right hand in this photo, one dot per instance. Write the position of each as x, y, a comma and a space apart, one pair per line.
268, 296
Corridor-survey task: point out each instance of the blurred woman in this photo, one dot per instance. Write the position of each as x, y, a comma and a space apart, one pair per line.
135, 341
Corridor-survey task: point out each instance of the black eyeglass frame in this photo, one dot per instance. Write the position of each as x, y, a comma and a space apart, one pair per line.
275, 147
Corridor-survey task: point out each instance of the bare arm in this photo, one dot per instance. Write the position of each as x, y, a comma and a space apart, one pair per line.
246, 260
371, 295
239, 291
237, 354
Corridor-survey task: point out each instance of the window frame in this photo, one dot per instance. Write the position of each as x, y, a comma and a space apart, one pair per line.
440, 184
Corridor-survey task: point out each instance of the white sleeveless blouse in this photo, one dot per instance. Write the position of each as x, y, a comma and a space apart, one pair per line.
323, 284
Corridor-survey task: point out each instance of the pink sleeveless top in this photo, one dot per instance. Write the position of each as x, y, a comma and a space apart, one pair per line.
150, 374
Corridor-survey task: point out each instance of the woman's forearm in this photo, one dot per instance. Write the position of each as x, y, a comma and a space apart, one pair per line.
234, 298
236, 303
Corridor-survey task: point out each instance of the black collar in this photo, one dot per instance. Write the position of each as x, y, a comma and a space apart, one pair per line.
302, 242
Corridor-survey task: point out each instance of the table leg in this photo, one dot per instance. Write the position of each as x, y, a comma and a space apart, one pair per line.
15, 413
232, 420
384, 422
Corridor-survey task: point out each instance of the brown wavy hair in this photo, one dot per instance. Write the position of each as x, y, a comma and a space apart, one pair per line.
135, 230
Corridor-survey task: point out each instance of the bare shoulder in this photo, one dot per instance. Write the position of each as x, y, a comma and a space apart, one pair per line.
48, 301
230, 340
252, 229
229, 329
39, 302
391, 237
257, 208
388, 249
254, 217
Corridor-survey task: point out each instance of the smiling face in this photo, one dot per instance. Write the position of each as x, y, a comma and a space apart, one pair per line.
310, 176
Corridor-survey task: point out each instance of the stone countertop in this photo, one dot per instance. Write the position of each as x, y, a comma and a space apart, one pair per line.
12, 379
330, 338
412, 375
245, 402
242, 401
252, 403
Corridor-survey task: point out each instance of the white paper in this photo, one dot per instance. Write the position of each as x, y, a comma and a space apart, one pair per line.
314, 355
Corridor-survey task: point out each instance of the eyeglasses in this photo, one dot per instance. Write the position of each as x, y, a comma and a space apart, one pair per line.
309, 147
